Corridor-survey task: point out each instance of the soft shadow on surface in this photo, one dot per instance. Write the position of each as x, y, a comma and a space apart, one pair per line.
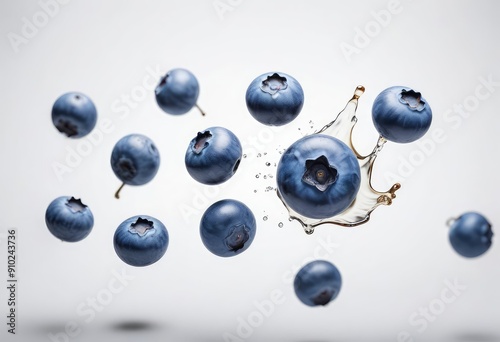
475, 337
131, 326
48, 328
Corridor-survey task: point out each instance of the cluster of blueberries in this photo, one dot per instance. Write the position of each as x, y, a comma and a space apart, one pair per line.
318, 176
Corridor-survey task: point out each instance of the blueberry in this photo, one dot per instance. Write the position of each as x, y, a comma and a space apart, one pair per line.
178, 92
74, 114
317, 283
227, 228
213, 156
274, 99
69, 219
141, 240
470, 235
135, 160
318, 176
401, 114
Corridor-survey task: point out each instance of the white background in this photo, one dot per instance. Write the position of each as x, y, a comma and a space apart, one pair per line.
391, 267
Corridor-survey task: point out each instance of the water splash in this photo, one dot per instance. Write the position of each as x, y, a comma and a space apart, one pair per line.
367, 199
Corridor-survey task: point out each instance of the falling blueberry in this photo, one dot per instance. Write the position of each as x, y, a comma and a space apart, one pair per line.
213, 156
227, 228
69, 219
317, 283
274, 99
178, 92
470, 235
141, 240
401, 114
74, 114
135, 160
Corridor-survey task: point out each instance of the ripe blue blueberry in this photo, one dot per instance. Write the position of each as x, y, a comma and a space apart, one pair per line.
470, 235
74, 114
227, 228
213, 156
317, 283
401, 114
141, 240
178, 92
135, 160
274, 99
318, 176
69, 219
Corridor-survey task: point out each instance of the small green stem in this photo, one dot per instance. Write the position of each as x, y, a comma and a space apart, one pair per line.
117, 193
201, 110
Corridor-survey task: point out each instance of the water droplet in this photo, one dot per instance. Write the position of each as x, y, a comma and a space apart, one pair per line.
280, 224
265, 177
257, 176
244, 156
265, 218
255, 191
259, 155
268, 164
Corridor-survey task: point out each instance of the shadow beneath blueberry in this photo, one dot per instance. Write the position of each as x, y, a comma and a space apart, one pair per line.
134, 326
475, 337
48, 328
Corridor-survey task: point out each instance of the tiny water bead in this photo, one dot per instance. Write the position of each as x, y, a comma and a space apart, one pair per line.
280, 225
366, 199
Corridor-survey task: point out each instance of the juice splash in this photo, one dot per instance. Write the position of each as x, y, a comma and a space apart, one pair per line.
367, 198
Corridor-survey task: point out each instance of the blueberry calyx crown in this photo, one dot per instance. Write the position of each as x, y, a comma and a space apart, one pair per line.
323, 297
320, 173
76, 205
273, 84
162, 82
201, 141
127, 168
67, 127
141, 226
237, 238
412, 99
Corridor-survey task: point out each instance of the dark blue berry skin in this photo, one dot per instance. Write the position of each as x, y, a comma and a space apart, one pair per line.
227, 228
317, 283
135, 159
471, 235
74, 114
69, 219
213, 156
318, 176
141, 240
274, 98
177, 91
401, 115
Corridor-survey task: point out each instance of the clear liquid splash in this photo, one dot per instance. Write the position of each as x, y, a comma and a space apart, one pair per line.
367, 199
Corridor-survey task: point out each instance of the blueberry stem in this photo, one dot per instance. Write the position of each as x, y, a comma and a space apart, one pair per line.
117, 193
450, 221
201, 110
